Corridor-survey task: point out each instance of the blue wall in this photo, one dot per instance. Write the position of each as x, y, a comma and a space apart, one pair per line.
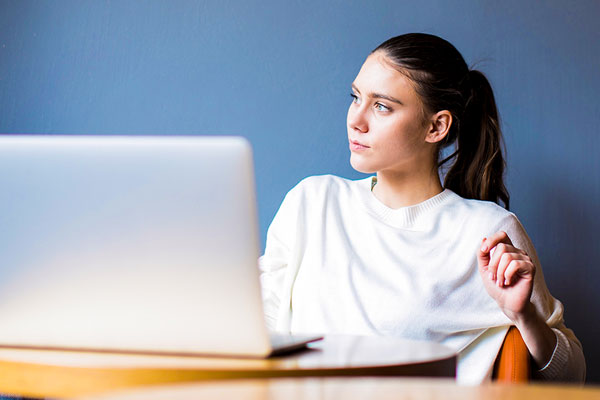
279, 72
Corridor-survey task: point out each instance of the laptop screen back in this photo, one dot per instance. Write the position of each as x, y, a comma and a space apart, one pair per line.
130, 243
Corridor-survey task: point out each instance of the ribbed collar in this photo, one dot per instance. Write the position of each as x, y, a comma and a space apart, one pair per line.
410, 217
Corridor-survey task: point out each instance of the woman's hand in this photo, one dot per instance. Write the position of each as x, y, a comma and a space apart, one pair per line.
507, 274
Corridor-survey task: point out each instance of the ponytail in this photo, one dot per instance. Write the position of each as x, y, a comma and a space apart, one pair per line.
444, 82
478, 170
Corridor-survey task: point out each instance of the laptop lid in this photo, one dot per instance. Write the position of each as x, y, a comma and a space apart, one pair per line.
130, 243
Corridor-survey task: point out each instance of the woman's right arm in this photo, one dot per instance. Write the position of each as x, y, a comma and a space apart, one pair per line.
275, 261
272, 276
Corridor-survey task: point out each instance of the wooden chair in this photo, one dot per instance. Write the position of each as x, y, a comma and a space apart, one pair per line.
513, 364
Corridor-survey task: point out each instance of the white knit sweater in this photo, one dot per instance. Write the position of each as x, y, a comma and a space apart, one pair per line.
337, 260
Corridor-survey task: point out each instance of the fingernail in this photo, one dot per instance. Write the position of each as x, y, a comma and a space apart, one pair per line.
484, 248
506, 282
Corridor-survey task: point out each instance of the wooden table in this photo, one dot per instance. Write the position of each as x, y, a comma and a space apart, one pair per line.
45, 373
355, 389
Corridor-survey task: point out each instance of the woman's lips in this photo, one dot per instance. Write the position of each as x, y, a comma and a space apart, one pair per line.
356, 146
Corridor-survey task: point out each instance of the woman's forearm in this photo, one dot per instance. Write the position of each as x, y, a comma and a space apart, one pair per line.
537, 335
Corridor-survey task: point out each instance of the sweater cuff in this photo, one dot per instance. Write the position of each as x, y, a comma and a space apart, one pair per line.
554, 369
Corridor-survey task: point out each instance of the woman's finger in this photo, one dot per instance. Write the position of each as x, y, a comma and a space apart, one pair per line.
517, 268
496, 255
483, 255
498, 237
506, 260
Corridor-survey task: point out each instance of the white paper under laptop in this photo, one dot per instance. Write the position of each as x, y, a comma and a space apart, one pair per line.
130, 243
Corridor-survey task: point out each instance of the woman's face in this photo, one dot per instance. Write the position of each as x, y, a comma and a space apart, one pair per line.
386, 122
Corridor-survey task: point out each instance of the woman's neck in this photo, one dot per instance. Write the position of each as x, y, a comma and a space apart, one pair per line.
397, 190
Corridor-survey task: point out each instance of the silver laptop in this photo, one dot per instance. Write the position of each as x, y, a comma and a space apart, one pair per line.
142, 244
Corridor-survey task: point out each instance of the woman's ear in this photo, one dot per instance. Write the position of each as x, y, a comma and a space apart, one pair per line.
439, 126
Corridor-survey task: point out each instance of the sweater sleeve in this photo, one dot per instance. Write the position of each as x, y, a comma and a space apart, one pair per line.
274, 262
567, 363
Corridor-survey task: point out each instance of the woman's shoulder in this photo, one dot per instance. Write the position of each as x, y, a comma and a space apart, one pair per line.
482, 212
320, 184
476, 219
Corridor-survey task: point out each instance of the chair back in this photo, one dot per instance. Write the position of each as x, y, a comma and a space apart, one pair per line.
513, 364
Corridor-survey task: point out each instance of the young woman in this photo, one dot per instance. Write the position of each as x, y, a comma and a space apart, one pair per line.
399, 253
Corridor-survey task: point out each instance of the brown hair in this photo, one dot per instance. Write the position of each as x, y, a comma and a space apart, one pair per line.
444, 82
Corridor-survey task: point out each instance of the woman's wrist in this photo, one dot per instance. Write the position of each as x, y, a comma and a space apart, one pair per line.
527, 316
537, 335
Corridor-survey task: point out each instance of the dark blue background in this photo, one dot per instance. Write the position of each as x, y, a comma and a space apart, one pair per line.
279, 73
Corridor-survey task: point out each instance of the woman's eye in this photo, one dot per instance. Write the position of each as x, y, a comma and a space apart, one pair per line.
355, 98
381, 107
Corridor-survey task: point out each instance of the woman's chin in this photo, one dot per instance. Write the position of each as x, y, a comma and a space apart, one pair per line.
361, 166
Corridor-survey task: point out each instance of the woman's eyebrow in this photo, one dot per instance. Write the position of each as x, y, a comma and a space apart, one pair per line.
385, 97
379, 96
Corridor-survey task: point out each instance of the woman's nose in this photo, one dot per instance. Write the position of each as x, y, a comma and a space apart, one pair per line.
357, 119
